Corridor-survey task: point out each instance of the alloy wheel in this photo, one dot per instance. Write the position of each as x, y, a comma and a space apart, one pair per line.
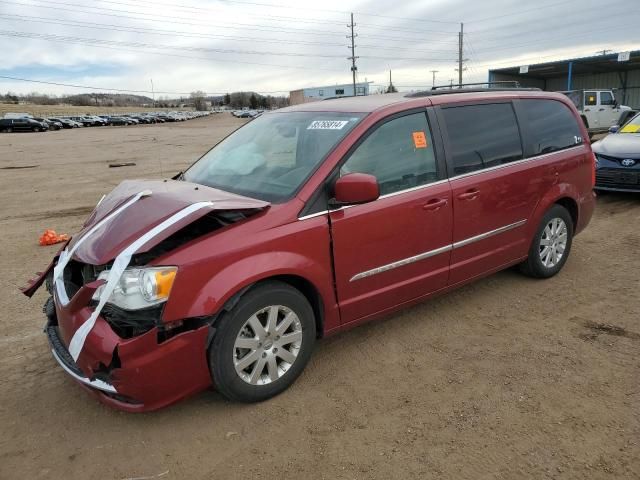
267, 345
553, 242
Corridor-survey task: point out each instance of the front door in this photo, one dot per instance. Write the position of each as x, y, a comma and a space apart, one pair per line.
591, 109
396, 248
608, 113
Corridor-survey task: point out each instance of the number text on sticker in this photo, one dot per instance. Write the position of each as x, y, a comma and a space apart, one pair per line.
327, 124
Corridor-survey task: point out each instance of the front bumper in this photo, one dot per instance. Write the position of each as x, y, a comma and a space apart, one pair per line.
135, 374
612, 176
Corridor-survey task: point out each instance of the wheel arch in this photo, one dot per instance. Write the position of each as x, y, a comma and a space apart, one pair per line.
572, 207
564, 194
310, 292
223, 290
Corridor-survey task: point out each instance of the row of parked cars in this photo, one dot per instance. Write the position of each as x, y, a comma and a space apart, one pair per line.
27, 123
247, 113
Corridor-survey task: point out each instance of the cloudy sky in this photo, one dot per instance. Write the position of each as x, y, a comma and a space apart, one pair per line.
273, 46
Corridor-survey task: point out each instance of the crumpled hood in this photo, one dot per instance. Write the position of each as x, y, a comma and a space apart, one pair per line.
164, 198
620, 145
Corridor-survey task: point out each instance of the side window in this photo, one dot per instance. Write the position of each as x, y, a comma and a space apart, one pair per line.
606, 98
399, 154
339, 91
482, 136
590, 98
552, 126
321, 93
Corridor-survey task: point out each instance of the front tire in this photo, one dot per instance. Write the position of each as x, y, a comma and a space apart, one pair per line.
551, 245
262, 345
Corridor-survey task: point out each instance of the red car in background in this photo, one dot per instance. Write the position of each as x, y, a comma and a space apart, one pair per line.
306, 222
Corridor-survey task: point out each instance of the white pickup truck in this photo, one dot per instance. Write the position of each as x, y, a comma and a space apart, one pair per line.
599, 109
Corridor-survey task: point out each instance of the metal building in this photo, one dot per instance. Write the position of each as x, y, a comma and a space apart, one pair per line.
620, 71
313, 94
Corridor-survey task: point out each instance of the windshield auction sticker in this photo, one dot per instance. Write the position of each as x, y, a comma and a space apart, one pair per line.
327, 124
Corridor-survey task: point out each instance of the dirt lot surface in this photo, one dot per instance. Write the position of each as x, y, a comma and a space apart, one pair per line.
506, 378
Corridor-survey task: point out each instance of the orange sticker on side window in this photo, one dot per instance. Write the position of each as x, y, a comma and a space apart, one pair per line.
419, 139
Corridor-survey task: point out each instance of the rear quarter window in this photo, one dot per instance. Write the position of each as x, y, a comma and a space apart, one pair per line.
482, 136
550, 126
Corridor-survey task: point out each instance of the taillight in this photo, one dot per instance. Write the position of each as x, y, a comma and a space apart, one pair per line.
594, 161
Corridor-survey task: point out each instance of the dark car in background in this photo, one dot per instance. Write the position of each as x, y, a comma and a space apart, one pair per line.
85, 122
66, 123
9, 125
118, 121
618, 158
51, 123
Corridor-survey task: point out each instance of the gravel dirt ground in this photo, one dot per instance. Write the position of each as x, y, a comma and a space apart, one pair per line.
507, 378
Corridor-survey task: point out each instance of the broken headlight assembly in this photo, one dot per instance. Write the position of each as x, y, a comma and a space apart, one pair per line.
139, 287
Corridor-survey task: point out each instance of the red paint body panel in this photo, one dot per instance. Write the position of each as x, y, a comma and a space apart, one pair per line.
380, 233
491, 200
325, 250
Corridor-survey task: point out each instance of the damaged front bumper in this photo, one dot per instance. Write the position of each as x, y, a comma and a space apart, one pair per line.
136, 374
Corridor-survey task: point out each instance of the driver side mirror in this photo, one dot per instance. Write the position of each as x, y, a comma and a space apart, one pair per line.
614, 129
355, 188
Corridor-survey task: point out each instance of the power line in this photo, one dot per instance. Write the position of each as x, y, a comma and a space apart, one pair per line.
61, 38
115, 43
264, 28
546, 28
119, 49
289, 7
90, 87
185, 34
520, 12
200, 9
539, 43
402, 29
169, 19
144, 14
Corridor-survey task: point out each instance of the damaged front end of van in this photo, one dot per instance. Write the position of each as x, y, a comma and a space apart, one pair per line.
110, 287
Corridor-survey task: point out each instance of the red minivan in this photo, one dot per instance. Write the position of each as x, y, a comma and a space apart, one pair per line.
305, 222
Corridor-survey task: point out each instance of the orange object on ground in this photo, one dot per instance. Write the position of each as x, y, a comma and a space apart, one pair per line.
50, 237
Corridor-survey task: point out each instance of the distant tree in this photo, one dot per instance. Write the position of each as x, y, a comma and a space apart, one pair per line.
264, 102
227, 99
199, 101
253, 101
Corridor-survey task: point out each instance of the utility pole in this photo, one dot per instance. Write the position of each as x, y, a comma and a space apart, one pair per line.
433, 79
353, 53
391, 88
604, 52
153, 94
460, 49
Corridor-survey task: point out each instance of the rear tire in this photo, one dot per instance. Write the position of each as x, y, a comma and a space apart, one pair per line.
263, 343
551, 244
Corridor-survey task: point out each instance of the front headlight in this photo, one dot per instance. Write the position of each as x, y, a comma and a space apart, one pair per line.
139, 287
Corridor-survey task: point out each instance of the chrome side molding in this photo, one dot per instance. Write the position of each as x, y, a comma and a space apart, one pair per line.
437, 251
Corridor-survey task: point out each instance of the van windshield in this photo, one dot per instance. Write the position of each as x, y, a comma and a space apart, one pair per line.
273, 155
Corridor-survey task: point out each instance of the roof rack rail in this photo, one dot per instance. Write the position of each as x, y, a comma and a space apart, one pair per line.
507, 85
504, 83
